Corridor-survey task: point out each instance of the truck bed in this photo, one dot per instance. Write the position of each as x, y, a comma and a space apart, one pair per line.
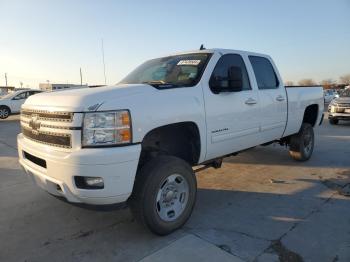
299, 97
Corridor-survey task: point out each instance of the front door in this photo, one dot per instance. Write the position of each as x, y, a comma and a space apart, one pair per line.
232, 117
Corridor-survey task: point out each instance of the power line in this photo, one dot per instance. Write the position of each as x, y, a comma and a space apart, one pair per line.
103, 60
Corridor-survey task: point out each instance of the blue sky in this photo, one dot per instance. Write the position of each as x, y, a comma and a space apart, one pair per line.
51, 40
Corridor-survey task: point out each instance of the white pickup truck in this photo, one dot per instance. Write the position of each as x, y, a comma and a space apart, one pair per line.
139, 140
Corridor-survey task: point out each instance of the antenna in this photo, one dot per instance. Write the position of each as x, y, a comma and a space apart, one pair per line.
81, 77
103, 60
6, 79
202, 47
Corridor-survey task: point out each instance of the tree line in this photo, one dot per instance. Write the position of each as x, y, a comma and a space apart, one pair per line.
326, 83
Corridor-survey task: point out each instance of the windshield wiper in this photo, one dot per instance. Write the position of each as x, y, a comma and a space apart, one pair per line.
159, 83
156, 82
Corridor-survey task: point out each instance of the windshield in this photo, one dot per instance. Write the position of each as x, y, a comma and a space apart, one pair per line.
170, 71
344, 93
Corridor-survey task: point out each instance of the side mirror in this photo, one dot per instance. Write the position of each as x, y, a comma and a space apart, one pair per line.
233, 83
235, 80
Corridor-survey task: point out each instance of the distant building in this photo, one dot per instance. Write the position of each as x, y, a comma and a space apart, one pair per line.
5, 89
55, 87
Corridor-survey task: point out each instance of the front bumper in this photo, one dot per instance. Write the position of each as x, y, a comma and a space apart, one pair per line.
340, 116
116, 165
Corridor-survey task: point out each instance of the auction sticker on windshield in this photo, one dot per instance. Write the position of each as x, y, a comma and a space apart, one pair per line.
189, 62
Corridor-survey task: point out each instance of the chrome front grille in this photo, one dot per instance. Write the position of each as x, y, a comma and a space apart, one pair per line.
48, 138
343, 105
56, 129
49, 116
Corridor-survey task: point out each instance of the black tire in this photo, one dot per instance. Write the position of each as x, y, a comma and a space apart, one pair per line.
150, 180
302, 144
4, 112
333, 121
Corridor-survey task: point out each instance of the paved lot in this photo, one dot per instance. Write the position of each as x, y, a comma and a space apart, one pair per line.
260, 206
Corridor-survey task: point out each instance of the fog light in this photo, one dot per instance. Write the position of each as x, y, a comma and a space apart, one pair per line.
94, 181
87, 182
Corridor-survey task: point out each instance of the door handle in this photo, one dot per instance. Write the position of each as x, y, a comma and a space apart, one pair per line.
250, 101
279, 98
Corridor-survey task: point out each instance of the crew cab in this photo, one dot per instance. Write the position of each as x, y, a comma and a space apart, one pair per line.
11, 103
142, 140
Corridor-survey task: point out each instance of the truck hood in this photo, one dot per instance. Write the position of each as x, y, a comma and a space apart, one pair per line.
85, 99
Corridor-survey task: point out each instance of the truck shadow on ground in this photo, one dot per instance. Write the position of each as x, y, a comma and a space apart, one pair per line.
243, 220
257, 213
276, 155
222, 217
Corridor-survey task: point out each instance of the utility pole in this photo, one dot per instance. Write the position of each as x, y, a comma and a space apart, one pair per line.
103, 60
6, 79
81, 77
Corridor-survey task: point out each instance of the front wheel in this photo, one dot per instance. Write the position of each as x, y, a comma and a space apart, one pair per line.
164, 194
4, 112
302, 144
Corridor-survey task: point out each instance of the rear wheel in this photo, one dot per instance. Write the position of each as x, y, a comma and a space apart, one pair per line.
164, 194
333, 121
302, 144
4, 112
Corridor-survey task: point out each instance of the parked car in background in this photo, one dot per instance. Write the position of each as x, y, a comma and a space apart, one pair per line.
339, 108
12, 102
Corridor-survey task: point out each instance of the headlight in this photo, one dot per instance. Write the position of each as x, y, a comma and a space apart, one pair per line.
106, 128
332, 106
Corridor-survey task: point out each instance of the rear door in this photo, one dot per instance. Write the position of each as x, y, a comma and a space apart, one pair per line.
232, 117
272, 97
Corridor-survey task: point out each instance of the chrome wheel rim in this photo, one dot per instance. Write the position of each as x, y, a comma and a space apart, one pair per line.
4, 113
172, 197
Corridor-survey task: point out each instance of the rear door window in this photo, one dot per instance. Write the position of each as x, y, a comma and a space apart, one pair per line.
33, 92
264, 73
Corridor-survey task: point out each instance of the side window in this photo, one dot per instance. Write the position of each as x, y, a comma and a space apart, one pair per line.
264, 73
30, 93
222, 70
21, 96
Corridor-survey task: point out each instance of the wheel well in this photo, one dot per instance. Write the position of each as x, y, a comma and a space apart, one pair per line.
3, 106
181, 140
310, 114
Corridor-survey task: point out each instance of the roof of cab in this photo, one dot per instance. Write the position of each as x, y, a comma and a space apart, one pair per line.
221, 51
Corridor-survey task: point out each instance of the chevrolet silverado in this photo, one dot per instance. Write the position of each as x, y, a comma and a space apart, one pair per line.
141, 140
